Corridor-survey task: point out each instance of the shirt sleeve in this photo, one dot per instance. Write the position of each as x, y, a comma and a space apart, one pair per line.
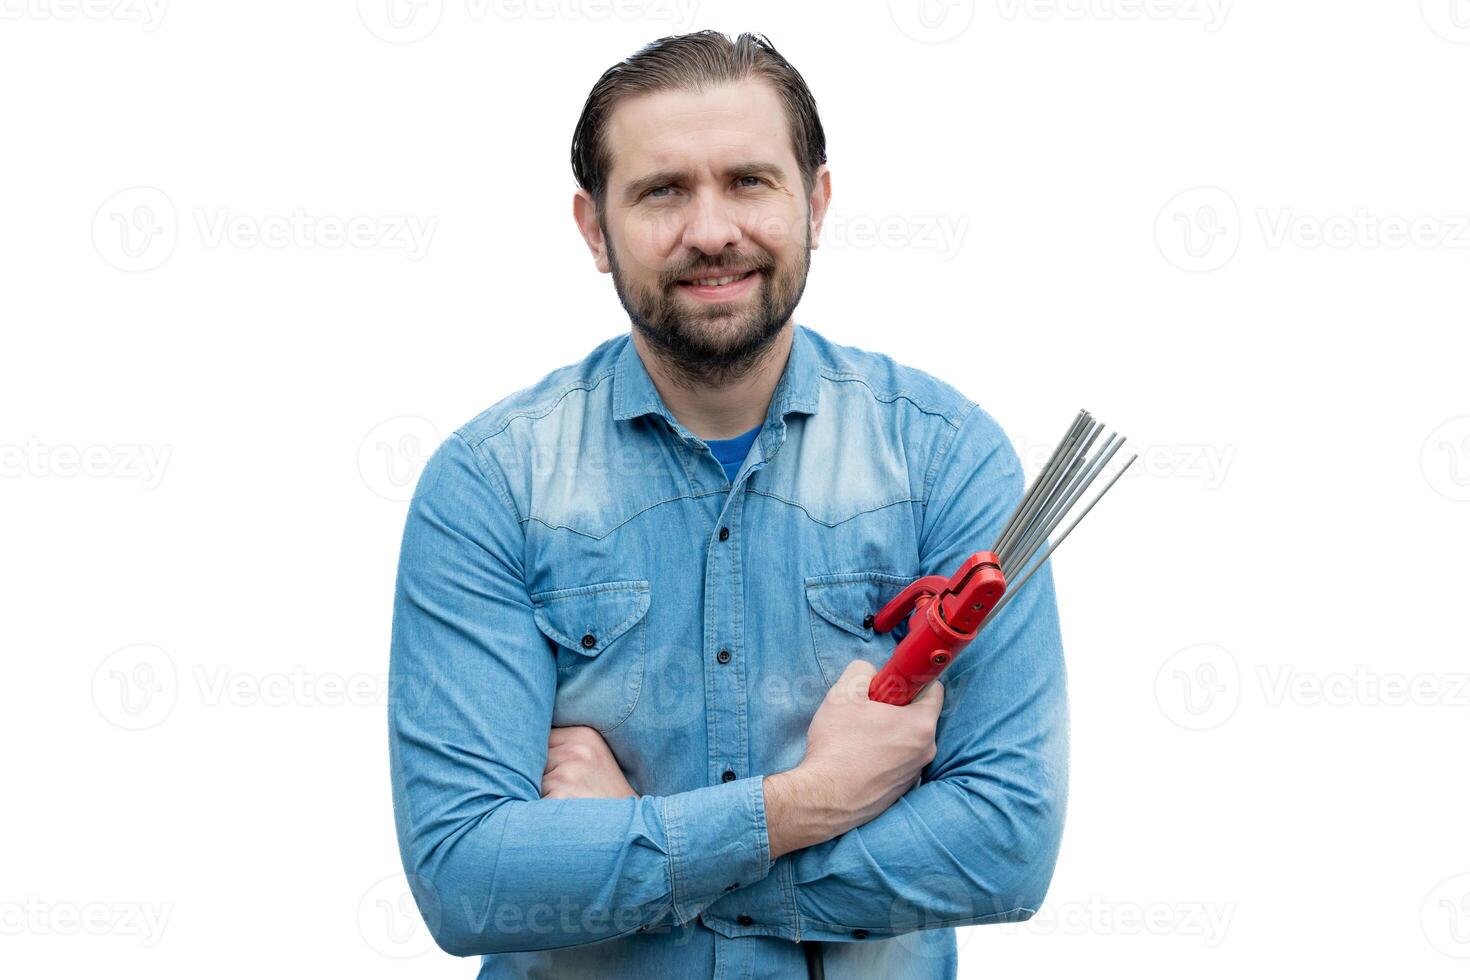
977, 840
492, 866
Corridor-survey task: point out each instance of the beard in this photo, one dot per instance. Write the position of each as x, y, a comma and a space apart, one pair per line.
713, 344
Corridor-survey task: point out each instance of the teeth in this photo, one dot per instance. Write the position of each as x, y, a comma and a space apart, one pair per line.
717, 282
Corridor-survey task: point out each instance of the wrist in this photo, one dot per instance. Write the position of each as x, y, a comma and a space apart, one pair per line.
801, 810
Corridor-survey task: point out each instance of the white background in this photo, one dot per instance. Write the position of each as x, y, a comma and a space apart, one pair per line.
1235, 231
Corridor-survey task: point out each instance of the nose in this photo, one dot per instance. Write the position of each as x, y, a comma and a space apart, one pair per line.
712, 227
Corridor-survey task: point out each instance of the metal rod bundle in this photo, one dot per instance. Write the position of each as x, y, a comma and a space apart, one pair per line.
1066, 476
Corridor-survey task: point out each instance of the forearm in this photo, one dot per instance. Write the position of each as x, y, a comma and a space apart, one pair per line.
800, 812
548, 873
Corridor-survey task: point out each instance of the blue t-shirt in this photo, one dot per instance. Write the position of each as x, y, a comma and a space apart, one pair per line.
731, 452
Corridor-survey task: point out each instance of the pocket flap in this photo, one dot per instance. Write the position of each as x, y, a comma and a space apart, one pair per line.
847, 599
589, 617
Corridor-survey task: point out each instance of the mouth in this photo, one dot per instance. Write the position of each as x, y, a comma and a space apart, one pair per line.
719, 289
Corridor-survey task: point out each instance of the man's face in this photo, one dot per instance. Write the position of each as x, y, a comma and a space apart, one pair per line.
705, 186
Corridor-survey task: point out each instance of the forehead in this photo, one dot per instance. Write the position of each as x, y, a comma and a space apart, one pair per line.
681, 128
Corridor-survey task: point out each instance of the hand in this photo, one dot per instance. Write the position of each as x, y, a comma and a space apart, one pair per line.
861, 756
579, 765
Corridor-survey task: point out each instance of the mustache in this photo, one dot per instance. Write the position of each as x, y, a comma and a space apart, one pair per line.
700, 271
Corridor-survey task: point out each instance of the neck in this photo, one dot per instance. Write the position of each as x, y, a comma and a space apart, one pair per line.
723, 411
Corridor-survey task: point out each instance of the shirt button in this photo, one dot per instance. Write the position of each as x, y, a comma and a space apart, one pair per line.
589, 641
723, 656
860, 934
745, 920
724, 534
729, 775
868, 621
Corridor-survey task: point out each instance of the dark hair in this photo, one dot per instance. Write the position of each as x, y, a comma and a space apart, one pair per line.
694, 61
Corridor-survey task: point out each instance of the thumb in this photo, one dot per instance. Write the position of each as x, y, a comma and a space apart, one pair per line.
853, 685
932, 697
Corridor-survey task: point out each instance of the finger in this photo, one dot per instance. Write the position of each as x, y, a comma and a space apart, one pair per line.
932, 697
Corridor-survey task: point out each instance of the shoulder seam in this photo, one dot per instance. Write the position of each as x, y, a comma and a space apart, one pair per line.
892, 396
581, 384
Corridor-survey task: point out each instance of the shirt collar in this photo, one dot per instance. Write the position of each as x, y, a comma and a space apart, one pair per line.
634, 393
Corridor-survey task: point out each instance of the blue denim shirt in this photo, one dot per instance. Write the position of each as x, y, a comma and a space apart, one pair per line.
576, 556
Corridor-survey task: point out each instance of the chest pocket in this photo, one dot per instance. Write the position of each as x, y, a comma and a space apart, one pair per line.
842, 606
599, 635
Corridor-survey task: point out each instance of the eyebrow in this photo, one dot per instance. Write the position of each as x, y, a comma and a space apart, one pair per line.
635, 189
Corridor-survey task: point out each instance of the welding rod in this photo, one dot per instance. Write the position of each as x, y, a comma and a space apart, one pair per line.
1067, 475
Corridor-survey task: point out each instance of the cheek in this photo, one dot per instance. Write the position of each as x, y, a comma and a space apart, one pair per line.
778, 230
652, 237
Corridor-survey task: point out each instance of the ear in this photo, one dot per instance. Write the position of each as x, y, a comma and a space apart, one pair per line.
820, 198
584, 212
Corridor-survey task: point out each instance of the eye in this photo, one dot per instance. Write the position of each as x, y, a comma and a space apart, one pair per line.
654, 193
758, 180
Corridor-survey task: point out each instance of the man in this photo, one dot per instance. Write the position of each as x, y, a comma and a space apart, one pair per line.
633, 627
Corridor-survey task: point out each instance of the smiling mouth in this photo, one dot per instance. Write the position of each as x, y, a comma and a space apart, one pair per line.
717, 280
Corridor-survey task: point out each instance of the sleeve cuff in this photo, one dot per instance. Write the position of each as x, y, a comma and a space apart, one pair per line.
717, 842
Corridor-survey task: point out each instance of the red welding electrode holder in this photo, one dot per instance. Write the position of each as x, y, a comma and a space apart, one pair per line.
944, 616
